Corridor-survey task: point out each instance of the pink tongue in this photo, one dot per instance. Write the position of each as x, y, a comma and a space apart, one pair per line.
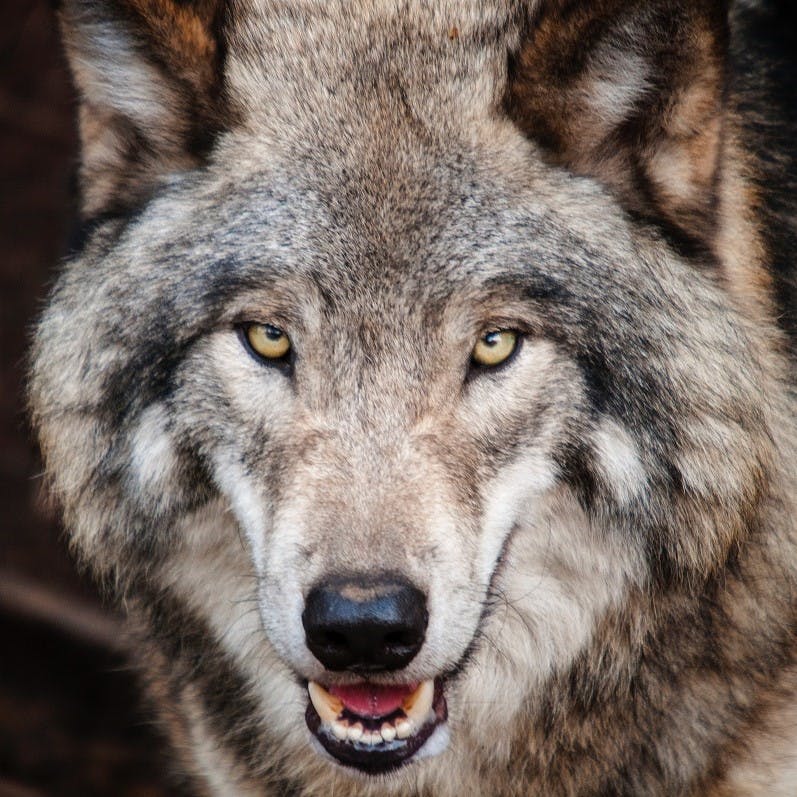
372, 700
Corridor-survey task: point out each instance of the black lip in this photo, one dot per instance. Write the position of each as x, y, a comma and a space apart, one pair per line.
380, 758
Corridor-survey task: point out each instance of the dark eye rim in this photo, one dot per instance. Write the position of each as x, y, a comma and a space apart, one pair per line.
476, 369
284, 364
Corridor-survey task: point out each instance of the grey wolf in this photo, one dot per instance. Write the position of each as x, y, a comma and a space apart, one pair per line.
424, 389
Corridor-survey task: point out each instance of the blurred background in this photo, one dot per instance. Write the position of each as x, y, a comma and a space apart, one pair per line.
71, 723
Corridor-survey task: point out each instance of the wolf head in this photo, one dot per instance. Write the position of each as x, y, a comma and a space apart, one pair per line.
395, 325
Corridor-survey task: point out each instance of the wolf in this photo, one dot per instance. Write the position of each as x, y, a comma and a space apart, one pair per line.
423, 388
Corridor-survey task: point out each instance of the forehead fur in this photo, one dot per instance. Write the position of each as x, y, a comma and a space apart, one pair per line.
327, 65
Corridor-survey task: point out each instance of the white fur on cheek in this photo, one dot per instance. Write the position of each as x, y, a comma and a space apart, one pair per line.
281, 597
152, 450
619, 459
247, 505
508, 497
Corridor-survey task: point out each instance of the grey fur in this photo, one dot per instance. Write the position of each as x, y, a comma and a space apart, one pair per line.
604, 527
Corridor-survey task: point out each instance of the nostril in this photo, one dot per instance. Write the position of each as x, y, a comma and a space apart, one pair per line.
365, 624
400, 639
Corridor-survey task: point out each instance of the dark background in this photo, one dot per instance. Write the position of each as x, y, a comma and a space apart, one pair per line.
70, 720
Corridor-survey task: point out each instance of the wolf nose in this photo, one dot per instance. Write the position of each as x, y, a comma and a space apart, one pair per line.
365, 625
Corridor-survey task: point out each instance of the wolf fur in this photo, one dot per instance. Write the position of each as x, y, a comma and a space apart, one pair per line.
604, 527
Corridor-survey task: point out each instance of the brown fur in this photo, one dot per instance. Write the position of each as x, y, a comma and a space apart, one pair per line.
181, 46
659, 145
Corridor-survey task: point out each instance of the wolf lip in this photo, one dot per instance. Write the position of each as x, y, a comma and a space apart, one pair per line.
372, 727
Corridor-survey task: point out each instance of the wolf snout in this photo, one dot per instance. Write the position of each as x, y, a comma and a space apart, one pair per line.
365, 624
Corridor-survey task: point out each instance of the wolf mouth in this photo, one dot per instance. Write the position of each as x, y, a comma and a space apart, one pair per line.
372, 727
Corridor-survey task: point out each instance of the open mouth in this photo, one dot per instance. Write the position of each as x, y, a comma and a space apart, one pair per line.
376, 728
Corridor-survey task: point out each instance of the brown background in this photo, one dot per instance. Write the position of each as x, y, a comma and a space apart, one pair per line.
70, 720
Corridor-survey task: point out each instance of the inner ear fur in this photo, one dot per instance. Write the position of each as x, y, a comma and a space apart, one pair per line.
631, 93
149, 76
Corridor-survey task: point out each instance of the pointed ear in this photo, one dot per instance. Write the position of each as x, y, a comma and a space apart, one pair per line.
631, 92
149, 77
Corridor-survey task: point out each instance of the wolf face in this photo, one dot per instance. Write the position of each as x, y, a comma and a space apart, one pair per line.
400, 440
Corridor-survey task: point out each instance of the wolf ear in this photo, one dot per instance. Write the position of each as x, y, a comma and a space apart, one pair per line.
149, 77
631, 93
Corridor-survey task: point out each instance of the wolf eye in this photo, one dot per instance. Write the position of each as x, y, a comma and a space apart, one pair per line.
267, 341
494, 347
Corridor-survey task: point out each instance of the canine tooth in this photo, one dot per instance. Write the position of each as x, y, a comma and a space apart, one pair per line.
355, 732
327, 706
419, 703
340, 730
388, 732
404, 728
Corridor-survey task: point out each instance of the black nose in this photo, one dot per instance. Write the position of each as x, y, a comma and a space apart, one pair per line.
365, 625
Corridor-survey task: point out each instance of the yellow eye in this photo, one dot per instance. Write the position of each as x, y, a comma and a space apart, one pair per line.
494, 347
268, 341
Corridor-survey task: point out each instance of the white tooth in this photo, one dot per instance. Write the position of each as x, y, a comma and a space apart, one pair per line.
327, 706
418, 705
340, 730
372, 738
355, 732
388, 732
404, 728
